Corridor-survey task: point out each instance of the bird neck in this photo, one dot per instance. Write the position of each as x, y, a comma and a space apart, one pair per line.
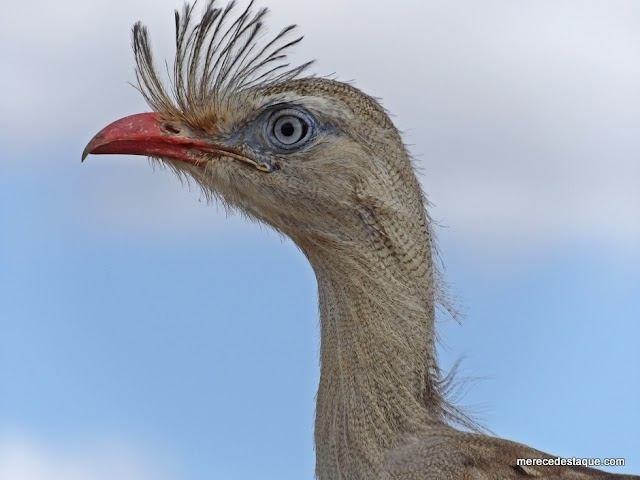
379, 374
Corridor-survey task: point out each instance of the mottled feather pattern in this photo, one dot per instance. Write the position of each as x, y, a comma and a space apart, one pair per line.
351, 201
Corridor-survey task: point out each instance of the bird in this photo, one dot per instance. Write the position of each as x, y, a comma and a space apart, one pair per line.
321, 162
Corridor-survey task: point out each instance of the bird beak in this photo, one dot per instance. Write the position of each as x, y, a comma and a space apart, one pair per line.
149, 135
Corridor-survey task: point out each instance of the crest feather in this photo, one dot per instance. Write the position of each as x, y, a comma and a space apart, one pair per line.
214, 59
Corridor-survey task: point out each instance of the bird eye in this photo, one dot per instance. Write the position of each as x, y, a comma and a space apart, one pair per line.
288, 129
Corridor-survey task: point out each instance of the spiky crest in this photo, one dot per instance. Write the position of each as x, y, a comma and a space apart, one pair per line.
214, 59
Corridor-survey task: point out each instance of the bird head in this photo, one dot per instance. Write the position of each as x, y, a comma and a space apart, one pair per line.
315, 158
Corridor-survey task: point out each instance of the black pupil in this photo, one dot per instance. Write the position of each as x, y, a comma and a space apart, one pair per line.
287, 129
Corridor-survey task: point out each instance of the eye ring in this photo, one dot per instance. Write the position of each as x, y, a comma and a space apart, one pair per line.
289, 129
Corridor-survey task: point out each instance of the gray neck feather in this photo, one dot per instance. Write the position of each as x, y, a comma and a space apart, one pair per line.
379, 374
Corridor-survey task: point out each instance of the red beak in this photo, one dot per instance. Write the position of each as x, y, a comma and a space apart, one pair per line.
147, 134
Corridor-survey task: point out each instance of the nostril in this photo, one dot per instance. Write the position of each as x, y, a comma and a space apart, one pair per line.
169, 128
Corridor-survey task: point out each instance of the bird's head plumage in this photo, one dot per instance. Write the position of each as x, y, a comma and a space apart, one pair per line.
297, 153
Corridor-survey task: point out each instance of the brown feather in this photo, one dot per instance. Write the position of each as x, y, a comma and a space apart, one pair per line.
351, 201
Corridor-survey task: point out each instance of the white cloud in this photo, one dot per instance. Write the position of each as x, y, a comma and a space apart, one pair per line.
23, 458
523, 115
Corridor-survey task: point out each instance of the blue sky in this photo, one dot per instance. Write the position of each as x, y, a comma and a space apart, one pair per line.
144, 335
